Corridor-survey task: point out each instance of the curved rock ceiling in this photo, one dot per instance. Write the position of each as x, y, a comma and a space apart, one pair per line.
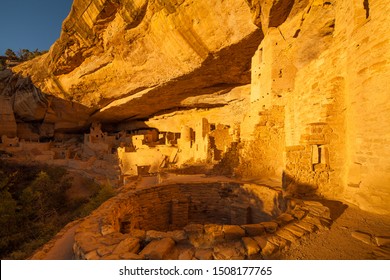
133, 59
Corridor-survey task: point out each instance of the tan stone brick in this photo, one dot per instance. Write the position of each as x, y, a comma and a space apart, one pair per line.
270, 227
111, 257
128, 245
187, 254
229, 251
317, 209
93, 255
298, 213
251, 246
112, 239
88, 244
267, 248
233, 232
177, 235
194, 228
214, 233
105, 250
382, 240
362, 236
204, 254
314, 220
286, 235
306, 226
280, 242
297, 231
138, 233
326, 222
154, 234
158, 249
284, 219
107, 229
130, 256
254, 229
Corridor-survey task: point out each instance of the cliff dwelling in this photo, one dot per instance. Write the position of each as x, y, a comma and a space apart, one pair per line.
228, 129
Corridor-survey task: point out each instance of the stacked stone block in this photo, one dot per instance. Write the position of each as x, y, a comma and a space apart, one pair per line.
100, 236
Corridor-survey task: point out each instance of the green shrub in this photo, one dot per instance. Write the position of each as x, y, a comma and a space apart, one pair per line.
105, 192
34, 206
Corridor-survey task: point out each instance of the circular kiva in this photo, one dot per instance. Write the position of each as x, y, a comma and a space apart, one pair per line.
191, 221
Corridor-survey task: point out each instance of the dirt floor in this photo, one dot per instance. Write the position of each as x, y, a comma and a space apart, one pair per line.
338, 243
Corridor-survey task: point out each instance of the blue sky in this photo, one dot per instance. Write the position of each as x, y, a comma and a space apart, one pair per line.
31, 24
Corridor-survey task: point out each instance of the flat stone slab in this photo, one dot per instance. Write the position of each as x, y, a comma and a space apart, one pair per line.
130, 256
106, 229
154, 234
229, 251
129, 245
297, 231
105, 250
314, 220
270, 227
214, 233
284, 219
363, 237
176, 235
317, 209
306, 226
88, 244
204, 254
112, 257
299, 214
187, 254
233, 232
254, 229
267, 248
382, 240
251, 246
112, 239
158, 249
195, 233
138, 233
93, 255
194, 229
280, 242
288, 235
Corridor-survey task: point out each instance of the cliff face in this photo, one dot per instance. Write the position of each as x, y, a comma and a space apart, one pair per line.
147, 56
304, 82
319, 103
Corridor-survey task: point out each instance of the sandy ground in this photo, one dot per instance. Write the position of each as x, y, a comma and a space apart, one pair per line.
63, 247
338, 243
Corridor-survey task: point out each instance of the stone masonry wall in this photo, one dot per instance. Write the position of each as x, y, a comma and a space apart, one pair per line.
326, 66
262, 156
368, 104
103, 235
172, 207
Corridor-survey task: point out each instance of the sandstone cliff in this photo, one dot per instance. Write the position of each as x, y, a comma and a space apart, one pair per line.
305, 82
131, 59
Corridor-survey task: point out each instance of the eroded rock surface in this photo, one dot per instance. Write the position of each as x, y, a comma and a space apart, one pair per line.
132, 59
292, 90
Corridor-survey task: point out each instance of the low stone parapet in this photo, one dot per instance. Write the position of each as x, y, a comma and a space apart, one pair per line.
141, 224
